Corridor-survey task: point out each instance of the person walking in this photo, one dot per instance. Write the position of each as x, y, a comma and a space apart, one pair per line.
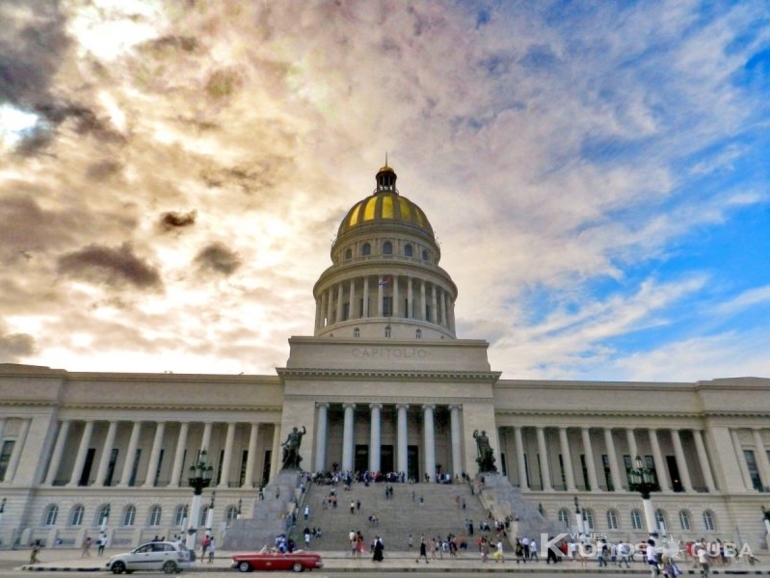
378, 548
423, 551
212, 549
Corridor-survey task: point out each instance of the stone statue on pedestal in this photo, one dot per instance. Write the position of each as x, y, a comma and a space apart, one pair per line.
291, 457
486, 457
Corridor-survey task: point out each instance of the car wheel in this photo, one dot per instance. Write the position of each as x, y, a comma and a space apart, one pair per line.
169, 567
118, 568
298, 567
244, 566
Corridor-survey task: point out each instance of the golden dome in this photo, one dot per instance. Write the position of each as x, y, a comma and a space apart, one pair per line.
384, 207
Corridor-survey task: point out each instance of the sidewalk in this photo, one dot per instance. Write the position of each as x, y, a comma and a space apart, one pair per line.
69, 560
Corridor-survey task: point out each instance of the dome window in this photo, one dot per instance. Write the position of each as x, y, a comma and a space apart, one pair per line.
348, 253
366, 250
387, 248
418, 334
387, 331
408, 250
356, 332
425, 255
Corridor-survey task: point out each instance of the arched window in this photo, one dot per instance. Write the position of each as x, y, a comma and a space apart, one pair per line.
660, 520
418, 333
104, 515
684, 520
348, 253
708, 521
408, 251
180, 516
51, 514
76, 519
612, 520
588, 517
129, 515
155, 513
356, 332
387, 248
387, 331
232, 513
366, 250
564, 517
636, 520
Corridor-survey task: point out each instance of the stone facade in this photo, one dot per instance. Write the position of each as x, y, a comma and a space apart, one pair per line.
382, 384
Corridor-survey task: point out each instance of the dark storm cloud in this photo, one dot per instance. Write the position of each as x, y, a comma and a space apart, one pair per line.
14, 346
218, 258
251, 177
176, 220
117, 266
24, 224
103, 169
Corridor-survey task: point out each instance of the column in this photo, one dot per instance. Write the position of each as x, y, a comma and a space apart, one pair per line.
340, 298
423, 302
365, 312
380, 289
227, 460
443, 309
322, 312
738, 448
452, 314
13, 463
104, 460
152, 466
430, 441
705, 467
403, 451
80, 460
318, 314
128, 464
613, 459
660, 465
206, 438
329, 307
321, 429
251, 457
181, 444
409, 299
352, 307
275, 456
762, 462
457, 458
589, 453
523, 484
396, 305
434, 305
375, 438
58, 452
545, 471
567, 459
632, 447
681, 462
347, 438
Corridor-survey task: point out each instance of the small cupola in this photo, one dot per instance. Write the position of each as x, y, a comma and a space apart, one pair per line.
386, 180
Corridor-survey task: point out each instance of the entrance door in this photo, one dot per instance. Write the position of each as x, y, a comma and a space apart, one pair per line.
85, 475
361, 461
386, 459
413, 463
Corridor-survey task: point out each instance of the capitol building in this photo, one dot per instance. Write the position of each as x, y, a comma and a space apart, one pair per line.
384, 384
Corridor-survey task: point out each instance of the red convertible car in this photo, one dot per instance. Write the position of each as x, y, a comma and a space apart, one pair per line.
297, 561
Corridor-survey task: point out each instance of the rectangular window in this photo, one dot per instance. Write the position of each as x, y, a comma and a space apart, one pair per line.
607, 473
387, 306
540, 472
111, 467
562, 472
649, 463
157, 470
584, 467
244, 461
219, 466
751, 462
345, 311
135, 467
5, 457
526, 471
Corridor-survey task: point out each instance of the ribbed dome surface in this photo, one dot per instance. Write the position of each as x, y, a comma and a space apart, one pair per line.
386, 207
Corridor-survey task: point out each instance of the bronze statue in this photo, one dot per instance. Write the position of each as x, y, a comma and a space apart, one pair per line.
486, 457
291, 457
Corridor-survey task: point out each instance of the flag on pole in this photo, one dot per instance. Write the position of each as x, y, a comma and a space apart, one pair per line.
386, 281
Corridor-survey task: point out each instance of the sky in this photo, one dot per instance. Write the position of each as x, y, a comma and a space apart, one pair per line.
173, 173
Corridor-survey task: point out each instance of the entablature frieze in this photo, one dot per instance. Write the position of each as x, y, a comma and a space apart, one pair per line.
489, 377
412, 402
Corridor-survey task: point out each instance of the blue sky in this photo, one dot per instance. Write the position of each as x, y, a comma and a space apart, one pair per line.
596, 172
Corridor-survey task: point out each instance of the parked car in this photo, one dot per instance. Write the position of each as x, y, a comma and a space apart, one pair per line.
169, 557
298, 561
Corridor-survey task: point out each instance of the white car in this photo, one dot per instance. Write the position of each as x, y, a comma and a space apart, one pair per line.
169, 557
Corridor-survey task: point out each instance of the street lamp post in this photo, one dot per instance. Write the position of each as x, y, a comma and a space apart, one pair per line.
210, 515
200, 478
642, 479
578, 517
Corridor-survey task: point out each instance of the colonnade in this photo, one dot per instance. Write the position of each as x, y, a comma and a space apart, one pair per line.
428, 437
407, 297
180, 444
553, 448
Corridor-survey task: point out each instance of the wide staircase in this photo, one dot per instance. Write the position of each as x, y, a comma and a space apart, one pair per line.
440, 512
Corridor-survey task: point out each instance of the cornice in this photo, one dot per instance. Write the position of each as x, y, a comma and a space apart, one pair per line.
385, 374
633, 413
